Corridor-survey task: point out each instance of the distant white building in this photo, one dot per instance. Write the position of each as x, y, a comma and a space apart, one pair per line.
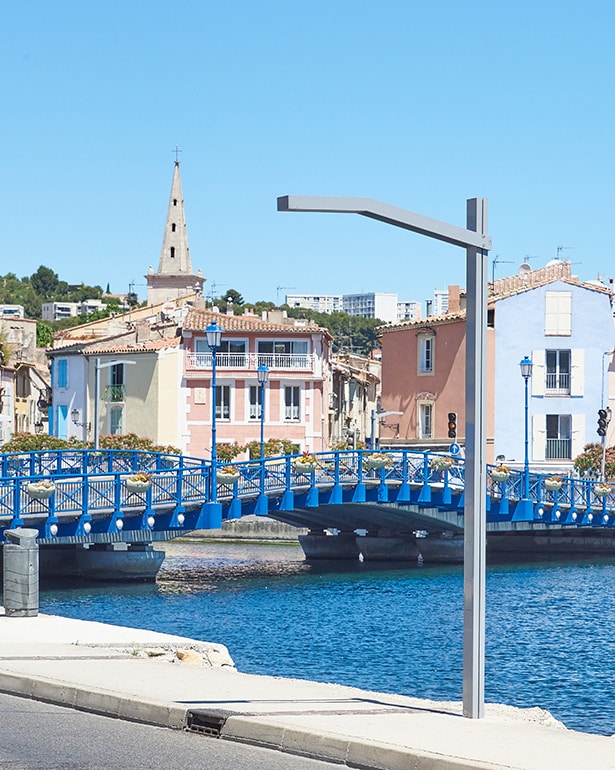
12, 311
372, 305
440, 302
54, 311
409, 311
319, 303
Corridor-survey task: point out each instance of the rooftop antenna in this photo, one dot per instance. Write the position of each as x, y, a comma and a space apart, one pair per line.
278, 289
560, 249
498, 261
212, 289
177, 151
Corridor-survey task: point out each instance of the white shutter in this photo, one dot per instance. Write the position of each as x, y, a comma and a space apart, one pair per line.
578, 434
577, 372
539, 438
539, 372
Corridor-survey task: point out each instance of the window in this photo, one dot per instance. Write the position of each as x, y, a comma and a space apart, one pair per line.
62, 373
425, 420
283, 354
559, 437
172, 252
173, 227
116, 414
558, 372
223, 402
116, 388
558, 313
255, 402
426, 351
292, 394
230, 353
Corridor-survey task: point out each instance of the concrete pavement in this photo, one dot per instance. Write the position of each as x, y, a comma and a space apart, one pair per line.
136, 674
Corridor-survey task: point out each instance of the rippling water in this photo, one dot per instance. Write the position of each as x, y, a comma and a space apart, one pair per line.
548, 638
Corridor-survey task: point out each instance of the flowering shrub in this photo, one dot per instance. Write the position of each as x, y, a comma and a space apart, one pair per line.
28, 442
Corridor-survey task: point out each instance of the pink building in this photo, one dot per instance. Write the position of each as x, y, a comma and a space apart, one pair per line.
296, 404
423, 376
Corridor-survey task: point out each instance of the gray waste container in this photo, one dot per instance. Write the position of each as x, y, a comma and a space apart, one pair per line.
20, 573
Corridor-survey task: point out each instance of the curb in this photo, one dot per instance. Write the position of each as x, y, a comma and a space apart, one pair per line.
349, 752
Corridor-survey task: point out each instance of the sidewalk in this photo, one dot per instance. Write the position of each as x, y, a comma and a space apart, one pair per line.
129, 673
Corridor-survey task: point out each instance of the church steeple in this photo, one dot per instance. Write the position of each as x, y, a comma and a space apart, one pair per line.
174, 277
175, 253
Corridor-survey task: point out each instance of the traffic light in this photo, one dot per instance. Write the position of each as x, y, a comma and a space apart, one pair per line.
603, 421
452, 425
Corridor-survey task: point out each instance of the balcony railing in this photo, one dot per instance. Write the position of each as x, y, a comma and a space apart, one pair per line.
251, 361
559, 449
558, 384
114, 393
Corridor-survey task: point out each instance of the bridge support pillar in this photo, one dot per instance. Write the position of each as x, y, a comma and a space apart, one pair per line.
318, 545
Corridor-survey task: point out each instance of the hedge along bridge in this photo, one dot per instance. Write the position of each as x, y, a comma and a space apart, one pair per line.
87, 498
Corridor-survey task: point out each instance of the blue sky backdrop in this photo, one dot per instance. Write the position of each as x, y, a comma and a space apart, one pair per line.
421, 105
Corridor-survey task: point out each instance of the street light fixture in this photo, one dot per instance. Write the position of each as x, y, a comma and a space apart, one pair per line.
75, 416
477, 243
262, 374
526, 504
214, 337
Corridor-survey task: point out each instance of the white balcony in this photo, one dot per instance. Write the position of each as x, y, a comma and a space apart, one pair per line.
295, 362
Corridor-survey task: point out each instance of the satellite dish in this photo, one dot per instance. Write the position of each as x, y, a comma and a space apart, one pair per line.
524, 269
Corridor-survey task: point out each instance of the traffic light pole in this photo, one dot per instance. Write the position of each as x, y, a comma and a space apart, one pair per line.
604, 418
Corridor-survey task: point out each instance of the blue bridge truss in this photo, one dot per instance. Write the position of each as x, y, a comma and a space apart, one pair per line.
85, 496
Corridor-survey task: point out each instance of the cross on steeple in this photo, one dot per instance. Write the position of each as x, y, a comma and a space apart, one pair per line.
177, 151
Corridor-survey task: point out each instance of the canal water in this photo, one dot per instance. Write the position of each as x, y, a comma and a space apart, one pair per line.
549, 633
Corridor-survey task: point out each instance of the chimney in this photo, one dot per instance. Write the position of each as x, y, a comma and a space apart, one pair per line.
454, 301
229, 306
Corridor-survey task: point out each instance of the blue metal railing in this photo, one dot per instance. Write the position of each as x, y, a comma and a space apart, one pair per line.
91, 496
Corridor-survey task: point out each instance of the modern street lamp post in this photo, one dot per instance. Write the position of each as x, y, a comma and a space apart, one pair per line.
477, 243
263, 376
526, 372
214, 338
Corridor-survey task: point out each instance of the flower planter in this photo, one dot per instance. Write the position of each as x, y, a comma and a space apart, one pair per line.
302, 467
499, 476
441, 464
375, 462
136, 486
227, 478
602, 490
41, 490
552, 485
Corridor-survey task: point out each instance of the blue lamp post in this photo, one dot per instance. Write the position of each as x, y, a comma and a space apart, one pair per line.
526, 372
214, 337
263, 376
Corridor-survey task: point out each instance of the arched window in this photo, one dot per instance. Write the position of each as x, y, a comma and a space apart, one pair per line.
172, 252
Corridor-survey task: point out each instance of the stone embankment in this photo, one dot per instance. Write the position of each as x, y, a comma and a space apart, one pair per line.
251, 528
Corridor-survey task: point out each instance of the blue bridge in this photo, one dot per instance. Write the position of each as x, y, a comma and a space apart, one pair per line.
95, 498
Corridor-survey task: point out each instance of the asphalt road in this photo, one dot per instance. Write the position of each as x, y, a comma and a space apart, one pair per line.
41, 736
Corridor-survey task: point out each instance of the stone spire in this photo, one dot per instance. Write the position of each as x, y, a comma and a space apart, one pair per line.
174, 277
175, 253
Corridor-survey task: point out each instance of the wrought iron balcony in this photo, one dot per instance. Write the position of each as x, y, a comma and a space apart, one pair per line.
251, 361
114, 393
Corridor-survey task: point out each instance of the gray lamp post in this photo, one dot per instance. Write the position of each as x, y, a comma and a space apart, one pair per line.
476, 242
526, 372
214, 337
263, 376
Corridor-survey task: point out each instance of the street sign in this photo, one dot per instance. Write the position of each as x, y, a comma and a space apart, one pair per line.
454, 449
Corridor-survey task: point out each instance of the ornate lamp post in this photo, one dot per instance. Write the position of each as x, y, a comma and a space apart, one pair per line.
214, 337
263, 376
526, 372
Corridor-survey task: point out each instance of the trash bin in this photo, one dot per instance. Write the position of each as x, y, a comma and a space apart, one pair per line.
20, 573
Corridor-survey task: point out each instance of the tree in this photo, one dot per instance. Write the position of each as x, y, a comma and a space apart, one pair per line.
44, 282
589, 461
44, 335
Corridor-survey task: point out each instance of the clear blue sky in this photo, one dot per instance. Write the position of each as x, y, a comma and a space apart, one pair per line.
421, 105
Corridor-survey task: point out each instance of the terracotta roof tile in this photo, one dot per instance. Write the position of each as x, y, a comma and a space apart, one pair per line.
200, 319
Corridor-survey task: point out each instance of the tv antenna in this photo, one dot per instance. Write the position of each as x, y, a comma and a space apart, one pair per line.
278, 289
498, 261
213, 286
560, 249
